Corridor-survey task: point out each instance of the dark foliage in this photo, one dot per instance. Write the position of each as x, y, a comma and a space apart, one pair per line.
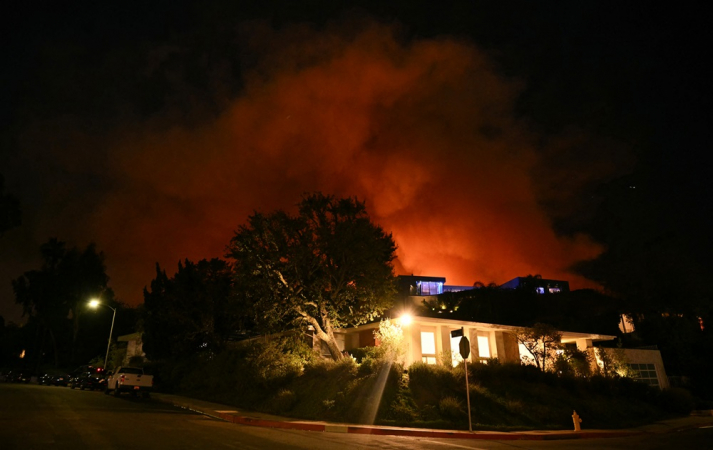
328, 267
55, 297
191, 312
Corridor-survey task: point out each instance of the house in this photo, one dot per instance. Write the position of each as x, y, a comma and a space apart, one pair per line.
429, 339
538, 284
134, 346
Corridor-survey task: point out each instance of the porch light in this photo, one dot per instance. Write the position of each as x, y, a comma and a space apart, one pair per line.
405, 319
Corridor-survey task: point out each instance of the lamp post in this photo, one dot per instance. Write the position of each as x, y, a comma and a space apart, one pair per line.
94, 304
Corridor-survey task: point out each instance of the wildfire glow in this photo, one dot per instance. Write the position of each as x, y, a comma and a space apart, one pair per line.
423, 132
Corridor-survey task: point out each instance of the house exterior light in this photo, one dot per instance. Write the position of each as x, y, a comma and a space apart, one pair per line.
405, 320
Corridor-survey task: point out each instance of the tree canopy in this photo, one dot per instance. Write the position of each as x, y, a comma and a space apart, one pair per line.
327, 267
189, 312
55, 296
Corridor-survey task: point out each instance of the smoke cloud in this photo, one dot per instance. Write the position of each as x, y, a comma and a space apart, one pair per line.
423, 131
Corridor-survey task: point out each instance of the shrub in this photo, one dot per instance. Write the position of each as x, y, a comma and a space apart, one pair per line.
369, 366
275, 362
391, 337
319, 367
677, 401
359, 353
451, 408
402, 411
429, 375
282, 402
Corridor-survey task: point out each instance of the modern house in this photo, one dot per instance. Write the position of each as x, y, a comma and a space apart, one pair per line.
538, 284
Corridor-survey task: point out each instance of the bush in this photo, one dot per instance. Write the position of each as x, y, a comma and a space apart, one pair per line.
359, 353
282, 402
451, 408
275, 362
677, 401
430, 376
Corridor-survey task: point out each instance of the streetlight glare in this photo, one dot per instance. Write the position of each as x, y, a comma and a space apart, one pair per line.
405, 319
94, 303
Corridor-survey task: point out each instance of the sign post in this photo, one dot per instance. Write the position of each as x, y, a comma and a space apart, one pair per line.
464, 347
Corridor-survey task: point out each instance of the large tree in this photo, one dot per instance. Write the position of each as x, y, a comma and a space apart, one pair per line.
57, 293
326, 268
190, 312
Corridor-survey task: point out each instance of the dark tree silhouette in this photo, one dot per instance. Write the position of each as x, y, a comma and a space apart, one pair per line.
190, 312
57, 293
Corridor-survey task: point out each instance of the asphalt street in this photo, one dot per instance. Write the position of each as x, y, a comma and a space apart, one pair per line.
41, 417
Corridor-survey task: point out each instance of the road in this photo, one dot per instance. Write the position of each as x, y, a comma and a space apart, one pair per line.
50, 417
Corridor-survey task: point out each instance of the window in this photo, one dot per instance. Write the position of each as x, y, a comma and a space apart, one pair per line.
428, 347
430, 288
483, 346
525, 355
646, 373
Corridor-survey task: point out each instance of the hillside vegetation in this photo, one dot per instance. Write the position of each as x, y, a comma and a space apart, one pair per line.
285, 378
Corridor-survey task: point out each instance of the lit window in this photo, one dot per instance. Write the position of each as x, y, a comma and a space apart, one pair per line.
483, 347
540, 290
428, 347
430, 288
428, 342
525, 355
646, 373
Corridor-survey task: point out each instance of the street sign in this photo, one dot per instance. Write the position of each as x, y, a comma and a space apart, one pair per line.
457, 333
464, 347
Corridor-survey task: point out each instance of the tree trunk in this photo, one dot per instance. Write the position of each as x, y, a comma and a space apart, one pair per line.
334, 348
326, 337
331, 340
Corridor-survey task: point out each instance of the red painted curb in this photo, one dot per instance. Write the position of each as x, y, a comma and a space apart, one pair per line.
451, 434
440, 434
276, 424
357, 429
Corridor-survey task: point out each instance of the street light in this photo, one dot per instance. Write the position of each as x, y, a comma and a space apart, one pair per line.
93, 304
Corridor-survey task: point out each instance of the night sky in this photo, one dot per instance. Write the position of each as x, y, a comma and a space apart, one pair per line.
493, 141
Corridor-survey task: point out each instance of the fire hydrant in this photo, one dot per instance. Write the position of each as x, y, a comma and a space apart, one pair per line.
577, 421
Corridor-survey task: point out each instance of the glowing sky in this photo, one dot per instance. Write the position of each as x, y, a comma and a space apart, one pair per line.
423, 131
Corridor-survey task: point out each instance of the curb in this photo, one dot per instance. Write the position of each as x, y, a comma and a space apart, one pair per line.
234, 417
228, 416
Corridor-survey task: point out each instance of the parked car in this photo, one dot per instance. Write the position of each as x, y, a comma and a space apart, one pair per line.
87, 377
45, 379
60, 380
129, 379
19, 376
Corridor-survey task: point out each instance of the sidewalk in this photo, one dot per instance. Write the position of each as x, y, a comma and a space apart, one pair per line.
269, 421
